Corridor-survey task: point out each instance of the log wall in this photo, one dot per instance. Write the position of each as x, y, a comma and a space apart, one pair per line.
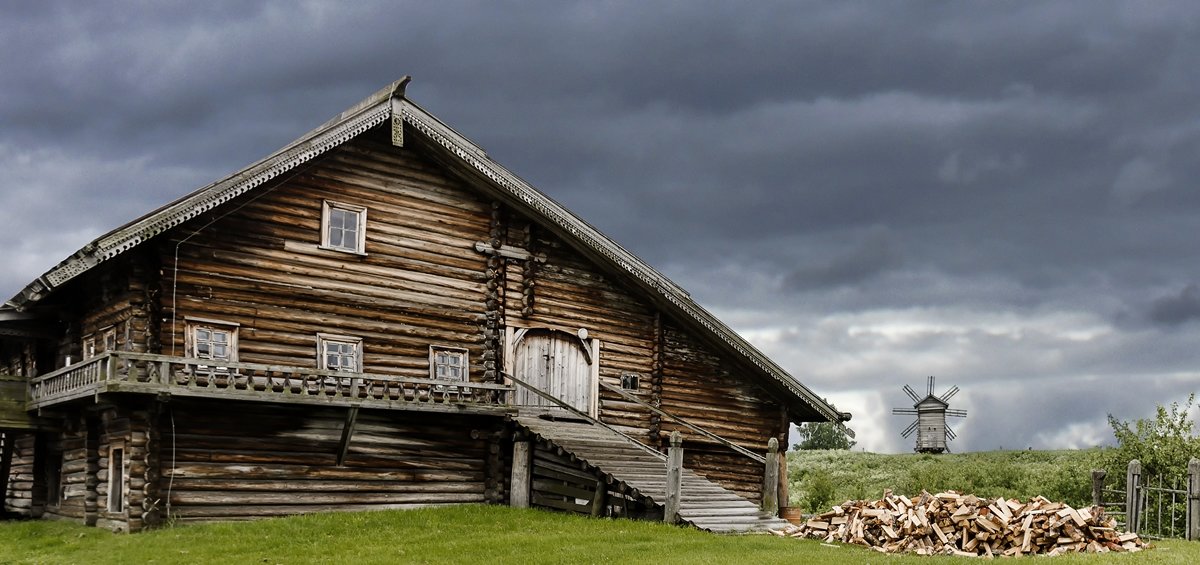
569, 292
703, 388
257, 263
19, 497
254, 461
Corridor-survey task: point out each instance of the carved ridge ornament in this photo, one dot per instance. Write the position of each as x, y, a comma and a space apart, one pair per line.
272, 167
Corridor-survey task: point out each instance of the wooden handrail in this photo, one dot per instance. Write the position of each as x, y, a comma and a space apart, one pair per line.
688, 425
305, 370
582, 414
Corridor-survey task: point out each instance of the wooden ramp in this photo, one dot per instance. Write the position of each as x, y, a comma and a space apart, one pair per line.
703, 503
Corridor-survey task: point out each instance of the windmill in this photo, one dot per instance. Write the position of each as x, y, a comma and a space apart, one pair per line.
931, 411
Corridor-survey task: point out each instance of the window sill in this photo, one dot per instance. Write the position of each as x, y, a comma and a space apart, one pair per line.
310, 249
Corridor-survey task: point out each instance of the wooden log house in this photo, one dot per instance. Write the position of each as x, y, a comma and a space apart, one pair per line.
363, 320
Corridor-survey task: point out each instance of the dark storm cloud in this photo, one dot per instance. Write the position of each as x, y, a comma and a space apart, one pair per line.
1177, 309
998, 192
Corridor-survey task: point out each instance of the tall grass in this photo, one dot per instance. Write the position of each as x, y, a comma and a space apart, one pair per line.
1057, 475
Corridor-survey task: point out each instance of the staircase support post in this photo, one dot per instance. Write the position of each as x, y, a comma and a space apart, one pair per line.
674, 478
518, 490
770, 486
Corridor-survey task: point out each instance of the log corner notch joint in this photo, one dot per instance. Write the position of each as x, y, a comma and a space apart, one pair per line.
391, 104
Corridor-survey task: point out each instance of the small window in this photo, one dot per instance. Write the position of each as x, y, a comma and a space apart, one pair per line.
343, 227
210, 339
116, 479
108, 337
339, 353
448, 363
89, 347
630, 381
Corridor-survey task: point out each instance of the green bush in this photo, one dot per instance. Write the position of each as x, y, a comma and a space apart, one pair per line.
820, 491
1163, 444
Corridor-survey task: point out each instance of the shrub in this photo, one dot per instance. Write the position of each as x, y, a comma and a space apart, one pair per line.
819, 491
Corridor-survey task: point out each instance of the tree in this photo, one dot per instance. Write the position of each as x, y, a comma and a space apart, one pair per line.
823, 435
1163, 444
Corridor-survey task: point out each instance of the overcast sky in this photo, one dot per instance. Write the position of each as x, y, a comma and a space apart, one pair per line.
999, 194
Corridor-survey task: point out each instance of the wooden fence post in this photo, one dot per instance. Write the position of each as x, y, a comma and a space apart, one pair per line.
770, 487
1193, 500
518, 495
674, 478
1133, 511
1098, 486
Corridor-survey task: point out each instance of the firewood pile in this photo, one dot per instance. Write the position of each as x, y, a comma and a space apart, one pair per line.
949, 523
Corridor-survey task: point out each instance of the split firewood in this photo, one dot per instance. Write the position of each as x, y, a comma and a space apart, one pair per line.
949, 523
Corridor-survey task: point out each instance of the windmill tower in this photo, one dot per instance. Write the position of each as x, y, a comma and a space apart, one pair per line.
931, 411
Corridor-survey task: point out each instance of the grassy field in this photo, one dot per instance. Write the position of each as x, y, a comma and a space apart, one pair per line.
832, 477
471, 534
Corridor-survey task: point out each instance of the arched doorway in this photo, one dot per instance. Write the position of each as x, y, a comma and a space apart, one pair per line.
556, 362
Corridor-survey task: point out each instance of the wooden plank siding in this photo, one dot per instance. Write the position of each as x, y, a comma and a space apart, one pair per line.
421, 282
281, 460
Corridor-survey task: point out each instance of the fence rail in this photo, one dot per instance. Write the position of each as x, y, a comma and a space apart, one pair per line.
1154, 506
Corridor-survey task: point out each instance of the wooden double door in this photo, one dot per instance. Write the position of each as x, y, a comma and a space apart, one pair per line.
557, 363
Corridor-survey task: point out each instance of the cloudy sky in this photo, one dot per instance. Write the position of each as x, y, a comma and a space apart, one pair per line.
998, 194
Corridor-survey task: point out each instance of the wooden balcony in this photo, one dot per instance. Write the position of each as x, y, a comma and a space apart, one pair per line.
123, 372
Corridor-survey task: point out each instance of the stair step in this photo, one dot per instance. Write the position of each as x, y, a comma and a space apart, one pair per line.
705, 504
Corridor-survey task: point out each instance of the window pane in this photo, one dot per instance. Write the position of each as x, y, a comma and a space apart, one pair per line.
350, 221
203, 335
335, 237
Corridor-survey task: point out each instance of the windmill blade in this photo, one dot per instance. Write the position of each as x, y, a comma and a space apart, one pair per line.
953, 391
957, 413
903, 411
910, 429
911, 393
950, 434
930, 385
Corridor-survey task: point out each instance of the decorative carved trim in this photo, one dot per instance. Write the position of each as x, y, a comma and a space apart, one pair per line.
207, 198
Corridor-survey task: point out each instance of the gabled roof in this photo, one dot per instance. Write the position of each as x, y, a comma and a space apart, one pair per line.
390, 105
931, 401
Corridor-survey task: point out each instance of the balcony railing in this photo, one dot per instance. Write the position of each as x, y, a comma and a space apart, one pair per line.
155, 374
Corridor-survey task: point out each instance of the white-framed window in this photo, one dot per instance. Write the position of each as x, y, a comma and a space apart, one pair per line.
211, 339
339, 353
108, 338
89, 347
344, 227
448, 363
116, 479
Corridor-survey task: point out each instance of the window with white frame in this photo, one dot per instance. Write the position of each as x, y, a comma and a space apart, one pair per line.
339, 353
343, 227
212, 339
108, 337
448, 363
89, 347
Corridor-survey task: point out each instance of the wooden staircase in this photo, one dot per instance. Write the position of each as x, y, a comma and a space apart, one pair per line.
703, 503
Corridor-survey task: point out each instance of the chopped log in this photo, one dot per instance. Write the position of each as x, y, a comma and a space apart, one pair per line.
949, 523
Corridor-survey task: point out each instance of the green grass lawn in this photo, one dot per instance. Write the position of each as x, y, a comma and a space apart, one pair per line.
480, 535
